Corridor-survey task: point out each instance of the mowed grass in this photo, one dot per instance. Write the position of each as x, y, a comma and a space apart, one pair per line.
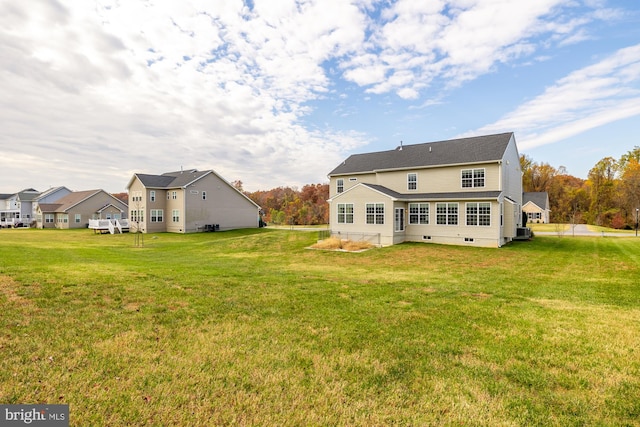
251, 328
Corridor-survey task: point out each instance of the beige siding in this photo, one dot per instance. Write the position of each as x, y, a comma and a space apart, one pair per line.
359, 197
439, 180
512, 182
430, 180
511, 213
486, 236
175, 204
223, 206
160, 203
350, 181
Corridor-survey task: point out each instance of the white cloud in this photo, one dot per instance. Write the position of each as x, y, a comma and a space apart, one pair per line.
88, 86
93, 91
602, 93
455, 41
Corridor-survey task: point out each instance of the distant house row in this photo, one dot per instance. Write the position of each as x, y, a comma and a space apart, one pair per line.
182, 202
465, 191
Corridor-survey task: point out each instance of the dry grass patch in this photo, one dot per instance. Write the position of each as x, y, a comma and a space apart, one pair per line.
333, 243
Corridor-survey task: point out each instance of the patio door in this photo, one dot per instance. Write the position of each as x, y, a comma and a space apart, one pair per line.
399, 219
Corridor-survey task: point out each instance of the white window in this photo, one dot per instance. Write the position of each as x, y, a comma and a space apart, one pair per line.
175, 215
412, 181
447, 213
78, 218
472, 178
204, 195
418, 213
157, 215
374, 213
345, 213
152, 195
48, 218
479, 214
174, 195
340, 185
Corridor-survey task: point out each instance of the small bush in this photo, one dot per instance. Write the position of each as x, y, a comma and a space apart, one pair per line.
346, 245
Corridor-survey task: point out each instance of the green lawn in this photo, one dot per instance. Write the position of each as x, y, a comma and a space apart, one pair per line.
251, 328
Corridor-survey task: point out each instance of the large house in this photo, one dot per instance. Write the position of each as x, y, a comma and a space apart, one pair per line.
75, 209
536, 206
465, 191
188, 201
17, 208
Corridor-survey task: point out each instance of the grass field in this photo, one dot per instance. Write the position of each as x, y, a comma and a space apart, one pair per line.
251, 328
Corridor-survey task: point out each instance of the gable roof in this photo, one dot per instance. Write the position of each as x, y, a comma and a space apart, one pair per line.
51, 191
28, 195
177, 179
539, 198
72, 199
180, 179
477, 149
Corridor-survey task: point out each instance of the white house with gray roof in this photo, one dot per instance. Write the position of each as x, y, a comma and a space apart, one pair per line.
465, 191
188, 201
536, 205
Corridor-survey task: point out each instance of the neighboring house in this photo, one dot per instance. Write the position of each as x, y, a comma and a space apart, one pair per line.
465, 191
76, 209
536, 205
49, 196
17, 208
188, 201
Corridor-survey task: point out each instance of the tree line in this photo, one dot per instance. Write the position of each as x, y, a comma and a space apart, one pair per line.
610, 196
290, 206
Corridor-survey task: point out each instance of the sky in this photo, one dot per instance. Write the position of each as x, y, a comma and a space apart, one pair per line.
278, 92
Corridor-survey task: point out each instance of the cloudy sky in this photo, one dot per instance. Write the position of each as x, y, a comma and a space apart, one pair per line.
278, 92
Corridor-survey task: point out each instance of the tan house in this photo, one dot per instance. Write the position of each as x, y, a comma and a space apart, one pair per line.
536, 206
465, 191
78, 207
188, 201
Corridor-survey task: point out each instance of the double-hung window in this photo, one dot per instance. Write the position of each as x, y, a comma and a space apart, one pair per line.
339, 185
152, 196
157, 215
472, 178
175, 215
345, 213
412, 181
418, 213
479, 213
447, 213
374, 213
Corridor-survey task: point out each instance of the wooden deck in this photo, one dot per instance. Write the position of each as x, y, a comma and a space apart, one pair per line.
112, 226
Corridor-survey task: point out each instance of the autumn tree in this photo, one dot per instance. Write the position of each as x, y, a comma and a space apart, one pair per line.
286, 205
602, 186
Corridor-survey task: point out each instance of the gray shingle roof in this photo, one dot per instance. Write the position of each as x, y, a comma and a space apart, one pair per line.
456, 151
171, 179
539, 198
